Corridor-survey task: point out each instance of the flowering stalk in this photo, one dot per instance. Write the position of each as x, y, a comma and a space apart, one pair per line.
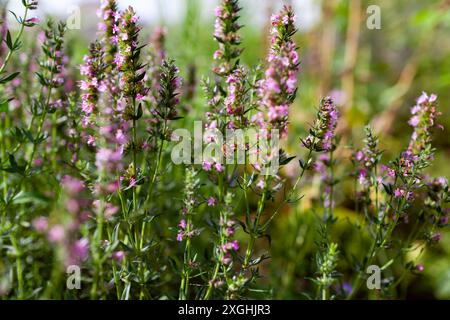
366, 175
132, 75
110, 29
406, 172
63, 229
276, 92
224, 250
226, 34
165, 111
93, 70
187, 230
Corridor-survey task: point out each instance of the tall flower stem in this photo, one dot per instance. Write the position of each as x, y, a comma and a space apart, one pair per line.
134, 133
254, 230
96, 246
184, 287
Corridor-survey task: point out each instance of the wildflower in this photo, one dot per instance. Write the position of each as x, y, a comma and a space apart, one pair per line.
226, 30
56, 234
399, 193
118, 256
236, 98
109, 26
170, 83
206, 165
32, 21
93, 69
231, 246
211, 202
72, 185
127, 58
108, 160
423, 120
260, 184
218, 167
391, 172
347, 287
40, 224
79, 251
277, 90
182, 224
323, 130
186, 228
369, 156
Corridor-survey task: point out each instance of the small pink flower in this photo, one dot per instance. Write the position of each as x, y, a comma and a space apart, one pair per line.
34, 20
56, 234
391, 172
260, 184
40, 224
217, 54
118, 256
218, 167
182, 224
206, 166
398, 193
359, 156
80, 249
113, 186
211, 202
414, 121
226, 259
38, 162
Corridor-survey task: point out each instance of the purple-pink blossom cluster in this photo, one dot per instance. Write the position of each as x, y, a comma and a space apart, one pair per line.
93, 85
323, 130
109, 27
277, 89
235, 100
423, 119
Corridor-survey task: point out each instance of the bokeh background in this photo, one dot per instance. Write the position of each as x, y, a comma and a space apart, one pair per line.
374, 76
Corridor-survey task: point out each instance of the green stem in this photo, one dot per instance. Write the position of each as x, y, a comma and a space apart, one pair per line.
19, 267
19, 35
